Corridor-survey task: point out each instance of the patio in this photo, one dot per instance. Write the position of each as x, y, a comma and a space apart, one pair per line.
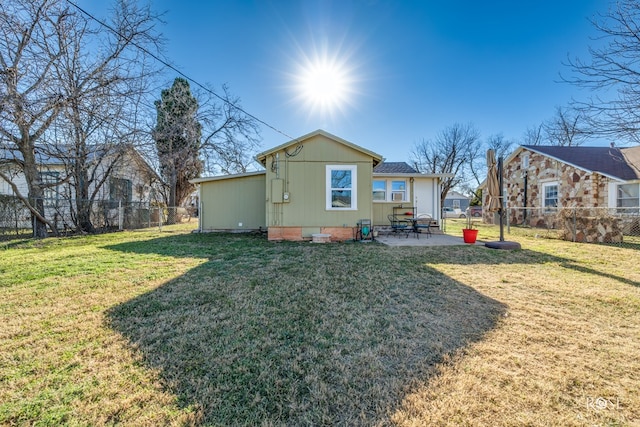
436, 239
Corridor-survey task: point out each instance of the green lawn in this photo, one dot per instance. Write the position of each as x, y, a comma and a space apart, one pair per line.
157, 328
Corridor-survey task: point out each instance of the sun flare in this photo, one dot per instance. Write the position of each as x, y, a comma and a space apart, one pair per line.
324, 85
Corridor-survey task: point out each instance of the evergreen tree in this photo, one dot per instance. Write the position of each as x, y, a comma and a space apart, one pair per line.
178, 137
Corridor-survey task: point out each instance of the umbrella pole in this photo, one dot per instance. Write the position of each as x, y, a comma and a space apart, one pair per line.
501, 209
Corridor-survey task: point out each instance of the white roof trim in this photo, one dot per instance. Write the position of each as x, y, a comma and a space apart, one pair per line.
223, 177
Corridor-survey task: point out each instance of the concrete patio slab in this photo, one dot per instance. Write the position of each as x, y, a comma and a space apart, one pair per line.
411, 240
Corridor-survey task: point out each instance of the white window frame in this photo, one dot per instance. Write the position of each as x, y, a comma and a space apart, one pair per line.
543, 195
402, 192
390, 192
625, 209
354, 187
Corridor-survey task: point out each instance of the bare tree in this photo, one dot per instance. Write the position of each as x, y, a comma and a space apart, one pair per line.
477, 165
230, 136
564, 128
67, 77
533, 135
613, 72
31, 41
103, 91
453, 149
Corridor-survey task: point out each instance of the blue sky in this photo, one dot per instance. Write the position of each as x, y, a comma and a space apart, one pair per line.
413, 67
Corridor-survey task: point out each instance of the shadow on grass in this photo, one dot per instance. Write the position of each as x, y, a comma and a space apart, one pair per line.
472, 255
298, 334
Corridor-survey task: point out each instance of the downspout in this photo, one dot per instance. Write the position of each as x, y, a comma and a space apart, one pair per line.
526, 179
199, 208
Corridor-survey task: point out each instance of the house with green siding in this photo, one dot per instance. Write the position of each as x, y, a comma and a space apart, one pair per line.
315, 184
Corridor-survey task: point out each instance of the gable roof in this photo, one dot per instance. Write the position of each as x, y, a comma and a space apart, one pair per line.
394, 167
607, 161
262, 157
452, 194
62, 154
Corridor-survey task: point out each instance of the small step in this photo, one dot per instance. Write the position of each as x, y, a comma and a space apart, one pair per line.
321, 238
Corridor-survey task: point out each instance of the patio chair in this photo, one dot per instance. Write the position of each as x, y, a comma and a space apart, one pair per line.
399, 225
422, 224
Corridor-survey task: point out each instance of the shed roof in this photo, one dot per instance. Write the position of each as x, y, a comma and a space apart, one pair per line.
225, 177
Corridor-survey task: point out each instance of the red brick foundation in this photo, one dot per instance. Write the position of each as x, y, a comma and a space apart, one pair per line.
294, 234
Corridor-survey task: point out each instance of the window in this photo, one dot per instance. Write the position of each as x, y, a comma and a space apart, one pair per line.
5, 188
628, 196
119, 191
390, 191
398, 191
341, 187
456, 204
380, 190
550, 196
50, 193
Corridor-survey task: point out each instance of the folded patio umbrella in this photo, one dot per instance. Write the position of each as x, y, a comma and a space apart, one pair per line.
493, 186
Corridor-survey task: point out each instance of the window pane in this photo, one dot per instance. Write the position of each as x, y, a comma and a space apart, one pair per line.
398, 185
379, 190
550, 196
628, 195
627, 191
398, 191
341, 198
379, 185
340, 179
379, 196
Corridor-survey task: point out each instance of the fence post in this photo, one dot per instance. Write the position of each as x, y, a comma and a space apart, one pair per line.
575, 234
120, 216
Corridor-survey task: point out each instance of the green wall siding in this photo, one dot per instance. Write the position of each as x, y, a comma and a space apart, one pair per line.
304, 177
228, 202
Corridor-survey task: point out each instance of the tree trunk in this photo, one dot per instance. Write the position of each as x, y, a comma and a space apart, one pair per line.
39, 227
83, 204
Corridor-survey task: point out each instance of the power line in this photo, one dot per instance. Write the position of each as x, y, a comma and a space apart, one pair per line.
166, 64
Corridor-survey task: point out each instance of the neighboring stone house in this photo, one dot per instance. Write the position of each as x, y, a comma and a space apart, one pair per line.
540, 180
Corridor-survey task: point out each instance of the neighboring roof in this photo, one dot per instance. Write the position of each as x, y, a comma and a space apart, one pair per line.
632, 156
607, 161
456, 195
402, 168
44, 157
394, 167
223, 177
262, 157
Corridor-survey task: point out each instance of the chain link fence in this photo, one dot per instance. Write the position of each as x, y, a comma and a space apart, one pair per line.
619, 226
104, 216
